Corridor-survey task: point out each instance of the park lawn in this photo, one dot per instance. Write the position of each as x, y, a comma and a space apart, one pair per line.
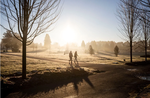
13, 64
87, 58
83, 58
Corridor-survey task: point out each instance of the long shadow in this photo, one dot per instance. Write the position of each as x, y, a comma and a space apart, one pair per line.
102, 53
106, 58
35, 51
49, 81
89, 82
139, 63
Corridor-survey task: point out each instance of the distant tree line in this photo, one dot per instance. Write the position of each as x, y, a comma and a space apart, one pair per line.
108, 46
9, 42
34, 46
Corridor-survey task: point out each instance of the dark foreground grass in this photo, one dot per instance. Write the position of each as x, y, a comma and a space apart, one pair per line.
142, 70
54, 79
139, 63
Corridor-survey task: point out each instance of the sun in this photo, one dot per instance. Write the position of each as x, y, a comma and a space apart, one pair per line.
69, 35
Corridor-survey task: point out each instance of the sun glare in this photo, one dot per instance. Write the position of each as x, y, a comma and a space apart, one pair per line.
68, 35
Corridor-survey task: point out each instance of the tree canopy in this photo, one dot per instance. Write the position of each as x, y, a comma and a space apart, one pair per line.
83, 44
10, 42
47, 41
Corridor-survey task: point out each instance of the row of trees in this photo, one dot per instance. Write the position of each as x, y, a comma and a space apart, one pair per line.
108, 46
10, 42
134, 16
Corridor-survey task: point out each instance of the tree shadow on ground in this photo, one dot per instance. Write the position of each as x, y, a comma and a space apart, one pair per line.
50, 81
35, 51
105, 53
106, 58
139, 63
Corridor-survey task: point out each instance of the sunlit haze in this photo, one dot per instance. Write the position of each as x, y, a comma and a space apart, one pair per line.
82, 48
68, 35
86, 20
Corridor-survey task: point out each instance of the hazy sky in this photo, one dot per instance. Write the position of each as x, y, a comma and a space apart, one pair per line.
84, 20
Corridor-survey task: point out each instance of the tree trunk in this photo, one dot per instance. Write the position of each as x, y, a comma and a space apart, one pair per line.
145, 50
24, 59
25, 29
130, 50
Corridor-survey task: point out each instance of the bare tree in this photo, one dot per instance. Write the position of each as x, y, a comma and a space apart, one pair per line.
145, 30
144, 17
29, 18
128, 16
144, 8
145, 5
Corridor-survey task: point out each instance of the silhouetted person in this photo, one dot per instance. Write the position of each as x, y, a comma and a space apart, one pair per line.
75, 57
70, 56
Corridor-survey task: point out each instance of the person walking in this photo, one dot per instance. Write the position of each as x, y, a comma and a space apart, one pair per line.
75, 57
70, 56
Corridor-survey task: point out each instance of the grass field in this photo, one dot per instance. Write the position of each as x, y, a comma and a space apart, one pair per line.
13, 64
53, 68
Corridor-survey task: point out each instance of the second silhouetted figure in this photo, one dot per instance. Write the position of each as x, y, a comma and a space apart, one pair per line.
70, 56
75, 57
